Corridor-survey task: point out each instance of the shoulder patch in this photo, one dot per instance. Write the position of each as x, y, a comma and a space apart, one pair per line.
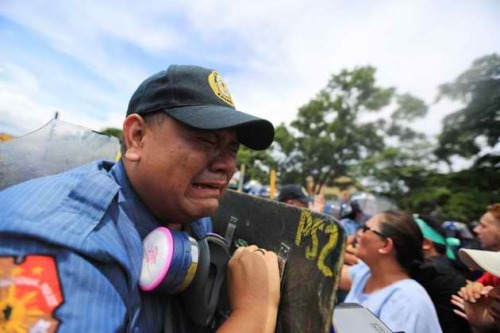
30, 292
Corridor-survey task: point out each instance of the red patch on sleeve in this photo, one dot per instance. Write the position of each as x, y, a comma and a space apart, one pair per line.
29, 294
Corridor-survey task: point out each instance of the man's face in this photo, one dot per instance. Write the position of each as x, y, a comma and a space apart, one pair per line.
297, 203
182, 172
488, 232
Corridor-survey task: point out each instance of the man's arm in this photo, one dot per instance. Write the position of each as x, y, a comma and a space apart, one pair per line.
254, 291
345, 279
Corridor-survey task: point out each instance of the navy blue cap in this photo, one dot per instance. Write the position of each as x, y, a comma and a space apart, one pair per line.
199, 97
293, 191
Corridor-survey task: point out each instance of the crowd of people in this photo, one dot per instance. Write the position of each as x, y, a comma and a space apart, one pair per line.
405, 269
402, 268
76, 238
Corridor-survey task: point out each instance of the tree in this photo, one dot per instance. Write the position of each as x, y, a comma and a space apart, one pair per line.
257, 162
406, 159
471, 132
395, 172
468, 131
327, 140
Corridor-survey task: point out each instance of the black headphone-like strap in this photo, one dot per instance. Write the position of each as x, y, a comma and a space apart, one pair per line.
219, 257
202, 295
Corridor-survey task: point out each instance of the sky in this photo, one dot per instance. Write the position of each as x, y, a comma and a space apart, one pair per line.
84, 59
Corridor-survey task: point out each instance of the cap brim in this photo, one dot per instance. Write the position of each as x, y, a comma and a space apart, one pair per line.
255, 133
304, 200
478, 259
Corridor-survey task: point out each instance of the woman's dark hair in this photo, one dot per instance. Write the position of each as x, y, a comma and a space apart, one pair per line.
406, 236
408, 239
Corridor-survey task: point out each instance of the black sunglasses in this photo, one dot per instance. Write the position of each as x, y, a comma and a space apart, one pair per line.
366, 228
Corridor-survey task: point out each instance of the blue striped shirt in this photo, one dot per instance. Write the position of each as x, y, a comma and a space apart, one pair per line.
92, 223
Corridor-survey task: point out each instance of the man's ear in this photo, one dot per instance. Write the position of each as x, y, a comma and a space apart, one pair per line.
134, 128
427, 245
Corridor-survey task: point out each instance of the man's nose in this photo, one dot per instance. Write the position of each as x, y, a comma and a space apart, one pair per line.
224, 161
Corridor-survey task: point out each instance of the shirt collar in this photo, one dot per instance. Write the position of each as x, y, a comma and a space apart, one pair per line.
131, 204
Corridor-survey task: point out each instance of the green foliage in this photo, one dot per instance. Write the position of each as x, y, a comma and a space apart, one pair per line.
394, 172
409, 109
427, 199
116, 132
257, 163
469, 130
465, 206
452, 196
462, 195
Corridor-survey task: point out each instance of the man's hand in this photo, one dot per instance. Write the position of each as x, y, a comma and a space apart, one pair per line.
254, 291
318, 205
494, 309
351, 257
472, 291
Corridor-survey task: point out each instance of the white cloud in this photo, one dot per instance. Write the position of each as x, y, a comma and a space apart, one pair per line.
23, 81
19, 114
84, 30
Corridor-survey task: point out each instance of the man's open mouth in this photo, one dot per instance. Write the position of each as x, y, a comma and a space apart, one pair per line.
206, 186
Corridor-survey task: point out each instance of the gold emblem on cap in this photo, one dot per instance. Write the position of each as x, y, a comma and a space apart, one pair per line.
219, 87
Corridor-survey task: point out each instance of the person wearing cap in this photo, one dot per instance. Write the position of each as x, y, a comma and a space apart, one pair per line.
295, 195
352, 217
71, 244
447, 280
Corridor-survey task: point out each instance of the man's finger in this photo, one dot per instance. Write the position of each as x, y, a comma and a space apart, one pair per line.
460, 313
458, 304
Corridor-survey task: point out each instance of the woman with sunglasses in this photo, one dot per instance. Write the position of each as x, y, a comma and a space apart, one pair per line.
389, 247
